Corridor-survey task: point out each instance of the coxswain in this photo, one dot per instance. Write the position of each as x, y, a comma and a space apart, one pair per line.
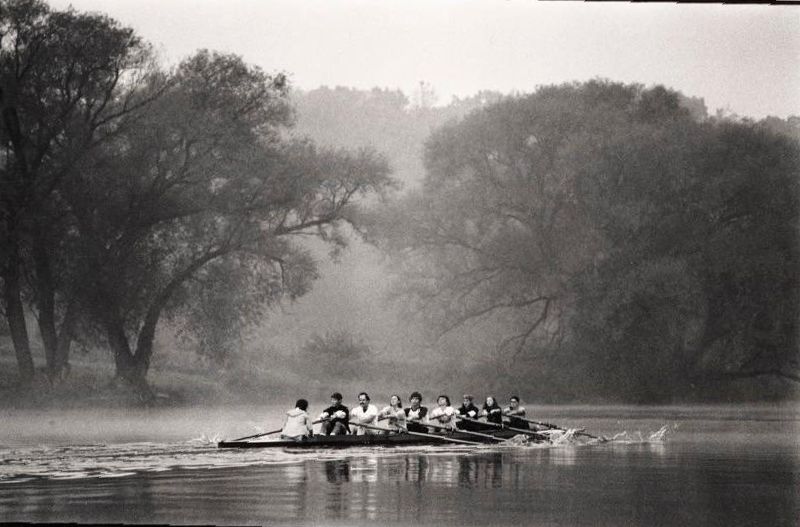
469, 411
416, 414
297, 425
394, 414
336, 417
492, 411
513, 412
364, 413
443, 414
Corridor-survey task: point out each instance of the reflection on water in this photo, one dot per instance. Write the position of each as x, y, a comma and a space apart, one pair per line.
639, 485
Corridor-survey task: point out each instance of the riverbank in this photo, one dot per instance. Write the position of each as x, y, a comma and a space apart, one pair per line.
92, 384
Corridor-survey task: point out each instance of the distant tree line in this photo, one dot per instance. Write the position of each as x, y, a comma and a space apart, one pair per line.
612, 241
131, 194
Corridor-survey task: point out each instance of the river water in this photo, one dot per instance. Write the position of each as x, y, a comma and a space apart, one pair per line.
709, 465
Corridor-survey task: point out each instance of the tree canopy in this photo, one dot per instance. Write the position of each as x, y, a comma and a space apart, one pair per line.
131, 193
603, 229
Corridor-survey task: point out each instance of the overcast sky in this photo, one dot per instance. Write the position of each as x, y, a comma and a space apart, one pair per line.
743, 58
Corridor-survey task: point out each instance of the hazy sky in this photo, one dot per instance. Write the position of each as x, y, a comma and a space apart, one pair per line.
745, 58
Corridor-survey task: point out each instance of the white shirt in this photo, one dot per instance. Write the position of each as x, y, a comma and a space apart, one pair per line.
368, 417
397, 418
444, 415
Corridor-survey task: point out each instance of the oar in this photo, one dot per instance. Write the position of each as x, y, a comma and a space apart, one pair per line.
420, 434
506, 427
554, 427
548, 425
269, 433
477, 434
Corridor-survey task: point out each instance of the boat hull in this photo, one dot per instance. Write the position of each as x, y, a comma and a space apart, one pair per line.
344, 441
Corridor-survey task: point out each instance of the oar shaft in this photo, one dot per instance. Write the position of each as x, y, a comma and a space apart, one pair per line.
270, 432
505, 427
556, 427
420, 434
468, 432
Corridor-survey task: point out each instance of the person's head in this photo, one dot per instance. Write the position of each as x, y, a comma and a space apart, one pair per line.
513, 401
301, 404
395, 401
467, 399
415, 399
443, 400
336, 398
489, 402
363, 399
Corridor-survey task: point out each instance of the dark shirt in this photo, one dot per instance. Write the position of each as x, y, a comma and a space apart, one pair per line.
463, 411
515, 422
341, 408
494, 414
414, 426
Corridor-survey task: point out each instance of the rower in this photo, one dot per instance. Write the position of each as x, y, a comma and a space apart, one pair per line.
492, 411
468, 410
416, 414
297, 425
514, 411
394, 414
365, 413
336, 417
443, 414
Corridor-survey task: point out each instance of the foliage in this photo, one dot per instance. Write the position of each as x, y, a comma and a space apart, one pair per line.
334, 355
606, 229
133, 193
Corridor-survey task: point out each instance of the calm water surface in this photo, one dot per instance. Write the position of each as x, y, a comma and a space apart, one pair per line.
716, 466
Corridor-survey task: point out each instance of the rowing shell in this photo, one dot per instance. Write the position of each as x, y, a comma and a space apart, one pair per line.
344, 441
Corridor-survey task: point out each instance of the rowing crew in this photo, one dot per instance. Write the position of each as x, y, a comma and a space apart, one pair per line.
337, 418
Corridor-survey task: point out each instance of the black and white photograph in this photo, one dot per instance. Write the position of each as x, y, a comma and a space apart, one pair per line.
430, 263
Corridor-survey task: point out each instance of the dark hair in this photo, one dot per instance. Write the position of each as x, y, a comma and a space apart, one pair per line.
399, 400
415, 394
514, 398
446, 398
302, 404
486, 404
337, 396
365, 394
468, 396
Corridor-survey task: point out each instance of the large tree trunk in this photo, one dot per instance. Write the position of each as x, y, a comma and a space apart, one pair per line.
45, 300
15, 314
127, 367
144, 343
65, 340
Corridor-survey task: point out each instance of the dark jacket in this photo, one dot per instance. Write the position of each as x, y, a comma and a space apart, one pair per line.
341, 408
464, 411
414, 426
495, 413
515, 422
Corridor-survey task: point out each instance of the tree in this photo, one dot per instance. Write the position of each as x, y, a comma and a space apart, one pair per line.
335, 355
604, 232
66, 81
207, 183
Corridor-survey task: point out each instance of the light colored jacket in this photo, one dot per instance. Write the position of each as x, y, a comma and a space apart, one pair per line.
297, 424
368, 417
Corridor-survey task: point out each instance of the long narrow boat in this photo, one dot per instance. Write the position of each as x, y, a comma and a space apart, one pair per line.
343, 441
